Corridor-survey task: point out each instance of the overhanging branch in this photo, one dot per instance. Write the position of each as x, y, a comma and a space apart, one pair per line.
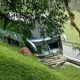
7, 19
72, 16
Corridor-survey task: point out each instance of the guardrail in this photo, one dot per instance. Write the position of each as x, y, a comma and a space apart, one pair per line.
72, 60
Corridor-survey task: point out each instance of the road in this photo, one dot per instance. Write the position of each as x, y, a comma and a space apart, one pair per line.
68, 51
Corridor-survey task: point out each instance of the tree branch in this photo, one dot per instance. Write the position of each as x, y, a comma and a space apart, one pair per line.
72, 17
7, 19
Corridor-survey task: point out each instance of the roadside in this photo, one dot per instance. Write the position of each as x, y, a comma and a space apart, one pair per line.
68, 51
72, 56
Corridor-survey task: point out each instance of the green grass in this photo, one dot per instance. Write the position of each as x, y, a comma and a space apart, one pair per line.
15, 66
70, 72
71, 33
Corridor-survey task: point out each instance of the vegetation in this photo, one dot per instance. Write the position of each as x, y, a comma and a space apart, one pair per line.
15, 66
70, 32
71, 16
49, 15
70, 72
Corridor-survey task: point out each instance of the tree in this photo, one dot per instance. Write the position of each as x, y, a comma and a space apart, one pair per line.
72, 16
49, 15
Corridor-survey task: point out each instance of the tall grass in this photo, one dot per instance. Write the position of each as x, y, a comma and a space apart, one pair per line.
15, 66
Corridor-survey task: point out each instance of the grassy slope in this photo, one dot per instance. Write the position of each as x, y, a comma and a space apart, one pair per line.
70, 32
70, 72
14, 66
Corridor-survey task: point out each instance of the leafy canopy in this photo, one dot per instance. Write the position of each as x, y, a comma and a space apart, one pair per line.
48, 14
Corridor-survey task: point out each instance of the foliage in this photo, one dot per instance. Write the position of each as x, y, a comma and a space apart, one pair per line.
77, 47
49, 15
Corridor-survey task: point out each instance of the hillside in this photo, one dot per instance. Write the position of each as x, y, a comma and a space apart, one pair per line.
71, 34
75, 5
15, 66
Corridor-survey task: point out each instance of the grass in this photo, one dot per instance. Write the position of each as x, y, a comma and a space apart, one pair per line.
71, 33
15, 66
70, 72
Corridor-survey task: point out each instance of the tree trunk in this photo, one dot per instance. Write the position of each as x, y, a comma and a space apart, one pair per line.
5, 23
72, 17
4, 16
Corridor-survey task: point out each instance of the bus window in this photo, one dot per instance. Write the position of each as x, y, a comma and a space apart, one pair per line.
53, 45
